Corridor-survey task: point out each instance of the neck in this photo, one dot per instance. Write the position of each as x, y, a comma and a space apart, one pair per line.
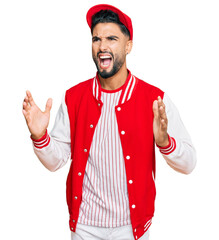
116, 81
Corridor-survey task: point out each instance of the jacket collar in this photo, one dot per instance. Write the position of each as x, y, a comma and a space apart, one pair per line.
127, 89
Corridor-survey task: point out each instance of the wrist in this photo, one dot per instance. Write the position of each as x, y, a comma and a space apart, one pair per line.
38, 137
165, 143
168, 148
41, 142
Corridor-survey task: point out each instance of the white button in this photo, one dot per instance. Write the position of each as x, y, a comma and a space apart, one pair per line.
123, 132
133, 206
91, 125
118, 108
73, 220
136, 237
79, 174
130, 181
98, 104
128, 157
72, 229
135, 230
76, 197
85, 150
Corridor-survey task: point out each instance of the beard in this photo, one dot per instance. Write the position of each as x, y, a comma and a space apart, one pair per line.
117, 64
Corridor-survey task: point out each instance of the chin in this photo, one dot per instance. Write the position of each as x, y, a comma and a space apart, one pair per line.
105, 74
108, 73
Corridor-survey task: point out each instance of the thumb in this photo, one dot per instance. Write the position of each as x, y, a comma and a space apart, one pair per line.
48, 105
155, 109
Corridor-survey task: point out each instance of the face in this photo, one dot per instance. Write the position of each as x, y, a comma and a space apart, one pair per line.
109, 48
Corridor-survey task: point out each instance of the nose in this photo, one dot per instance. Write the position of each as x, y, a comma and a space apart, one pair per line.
103, 45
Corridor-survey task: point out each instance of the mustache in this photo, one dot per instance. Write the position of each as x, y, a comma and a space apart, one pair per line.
105, 52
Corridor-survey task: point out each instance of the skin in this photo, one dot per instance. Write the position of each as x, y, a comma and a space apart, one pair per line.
37, 120
107, 39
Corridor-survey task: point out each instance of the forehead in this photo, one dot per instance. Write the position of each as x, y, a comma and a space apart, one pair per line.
107, 29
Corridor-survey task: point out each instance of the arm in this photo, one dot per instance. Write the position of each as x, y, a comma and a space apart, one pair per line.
179, 153
52, 149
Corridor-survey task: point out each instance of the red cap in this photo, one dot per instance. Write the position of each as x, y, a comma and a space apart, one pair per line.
126, 20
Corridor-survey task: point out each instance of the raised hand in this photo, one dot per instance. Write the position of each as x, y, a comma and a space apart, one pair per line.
37, 121
160, 123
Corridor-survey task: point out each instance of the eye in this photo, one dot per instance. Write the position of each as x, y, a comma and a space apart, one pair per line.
112, 38
95, 39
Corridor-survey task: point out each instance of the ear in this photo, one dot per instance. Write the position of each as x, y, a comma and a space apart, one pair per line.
129, 45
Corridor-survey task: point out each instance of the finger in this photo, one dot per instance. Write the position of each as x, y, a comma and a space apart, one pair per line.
30, 98
26, 115
26, 105
155, 109
162, 112
163, 119
161, 107
26, 99
24, 112
160, 102
163, 124
48, 105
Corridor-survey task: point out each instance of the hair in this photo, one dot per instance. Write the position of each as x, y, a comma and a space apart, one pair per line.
108, 16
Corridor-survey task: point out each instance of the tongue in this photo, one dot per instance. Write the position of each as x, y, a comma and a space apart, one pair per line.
106, 61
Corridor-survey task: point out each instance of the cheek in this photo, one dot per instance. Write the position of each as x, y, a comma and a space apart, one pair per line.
122, 49
121, 53
94, 50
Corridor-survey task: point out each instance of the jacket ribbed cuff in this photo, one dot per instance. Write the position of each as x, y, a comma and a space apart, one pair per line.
169, 148
42, 142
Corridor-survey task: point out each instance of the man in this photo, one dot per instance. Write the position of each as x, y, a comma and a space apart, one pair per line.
109, 125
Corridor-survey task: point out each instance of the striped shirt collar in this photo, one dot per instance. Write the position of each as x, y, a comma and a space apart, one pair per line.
127, 89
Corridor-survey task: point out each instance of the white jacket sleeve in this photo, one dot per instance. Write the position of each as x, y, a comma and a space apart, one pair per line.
180, 153
53, 150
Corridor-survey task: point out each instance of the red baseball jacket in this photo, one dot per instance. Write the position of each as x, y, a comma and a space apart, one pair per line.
135, 125
78, 117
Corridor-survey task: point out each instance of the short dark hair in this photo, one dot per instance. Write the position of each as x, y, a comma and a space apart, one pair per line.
108, 16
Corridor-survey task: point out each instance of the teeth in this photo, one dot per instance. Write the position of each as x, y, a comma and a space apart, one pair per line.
104, 57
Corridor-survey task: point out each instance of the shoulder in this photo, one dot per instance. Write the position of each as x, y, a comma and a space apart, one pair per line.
150, 89
78, 90
82, 86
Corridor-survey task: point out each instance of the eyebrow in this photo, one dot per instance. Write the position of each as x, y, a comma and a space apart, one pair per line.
111, 36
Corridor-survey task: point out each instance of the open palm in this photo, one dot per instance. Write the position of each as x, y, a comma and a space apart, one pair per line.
37, 121
160, 123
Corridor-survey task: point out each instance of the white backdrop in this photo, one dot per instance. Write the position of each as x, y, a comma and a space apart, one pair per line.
45, 46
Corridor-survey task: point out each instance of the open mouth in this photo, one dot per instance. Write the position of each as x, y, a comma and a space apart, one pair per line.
105, 60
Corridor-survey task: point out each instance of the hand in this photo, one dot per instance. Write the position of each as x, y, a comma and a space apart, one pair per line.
37, 121
160, 123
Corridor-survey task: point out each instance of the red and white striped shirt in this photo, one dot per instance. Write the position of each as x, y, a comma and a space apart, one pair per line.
105, 200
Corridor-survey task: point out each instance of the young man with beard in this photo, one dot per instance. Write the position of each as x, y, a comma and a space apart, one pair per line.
109, 125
